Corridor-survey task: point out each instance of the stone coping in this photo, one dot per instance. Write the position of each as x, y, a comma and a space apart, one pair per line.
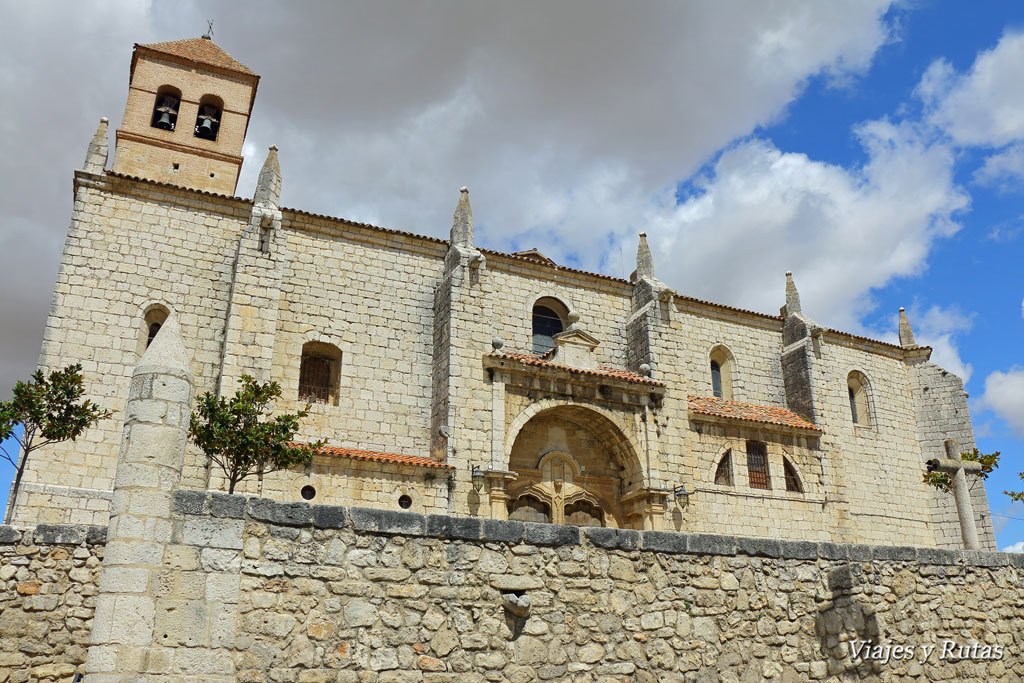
54, 534
374, 521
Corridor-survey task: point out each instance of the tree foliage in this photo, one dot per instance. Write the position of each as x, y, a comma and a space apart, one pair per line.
48, 408
944, 481
240, 436
1017, 496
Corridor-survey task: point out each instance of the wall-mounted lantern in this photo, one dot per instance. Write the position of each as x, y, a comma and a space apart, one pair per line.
478, 478
681, 495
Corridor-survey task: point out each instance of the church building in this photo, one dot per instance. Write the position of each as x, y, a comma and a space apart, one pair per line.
449, 378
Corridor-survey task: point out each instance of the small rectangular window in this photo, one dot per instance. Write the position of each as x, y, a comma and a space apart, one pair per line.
757, 465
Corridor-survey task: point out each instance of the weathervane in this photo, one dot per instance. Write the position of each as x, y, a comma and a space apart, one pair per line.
209, 30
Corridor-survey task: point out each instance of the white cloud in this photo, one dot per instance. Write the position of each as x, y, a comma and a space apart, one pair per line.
761, 211
571, 122
938, 328
1004, 170
1004, 395
985, 106
1017, 547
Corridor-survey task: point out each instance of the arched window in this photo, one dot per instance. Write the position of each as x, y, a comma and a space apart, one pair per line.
721, 372
757, 465
792, 478
208, 118
549, 316
165, 108
583, 513
529, 509
723, 475
319, 373
152, 320
857, 391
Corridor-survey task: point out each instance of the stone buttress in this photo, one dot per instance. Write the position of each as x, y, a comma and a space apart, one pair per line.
460, 422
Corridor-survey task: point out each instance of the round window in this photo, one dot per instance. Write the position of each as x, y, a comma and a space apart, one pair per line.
308, 492
404, 502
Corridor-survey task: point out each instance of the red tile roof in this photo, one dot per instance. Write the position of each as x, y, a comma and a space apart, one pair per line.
202, 50
376, 456
602, 371
750, 412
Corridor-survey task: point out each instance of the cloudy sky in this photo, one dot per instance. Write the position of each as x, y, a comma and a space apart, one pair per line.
874, 149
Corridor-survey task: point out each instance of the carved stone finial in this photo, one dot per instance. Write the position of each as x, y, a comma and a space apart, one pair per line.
644, 260
268, 187
645, 369
792, 296
906, 332
497, 343
462, 222
574, 318
96, 157
166, 354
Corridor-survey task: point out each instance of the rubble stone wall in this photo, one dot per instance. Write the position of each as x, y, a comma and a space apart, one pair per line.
357, 594
49, 580
325, 593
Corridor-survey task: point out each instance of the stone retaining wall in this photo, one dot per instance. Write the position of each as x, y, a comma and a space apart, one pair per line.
336, 594
49, 582
294, 592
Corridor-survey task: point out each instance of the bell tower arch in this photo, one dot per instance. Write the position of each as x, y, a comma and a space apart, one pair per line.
186, 116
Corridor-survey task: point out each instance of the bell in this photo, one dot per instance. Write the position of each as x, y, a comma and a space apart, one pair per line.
205, 129
165, 121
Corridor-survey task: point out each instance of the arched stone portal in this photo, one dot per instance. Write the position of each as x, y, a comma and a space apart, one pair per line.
573, 465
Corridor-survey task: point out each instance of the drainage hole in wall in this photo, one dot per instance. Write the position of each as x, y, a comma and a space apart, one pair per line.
308, 492
404, 502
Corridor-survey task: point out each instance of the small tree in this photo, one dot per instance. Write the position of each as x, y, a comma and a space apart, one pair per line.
239, 435
49, 410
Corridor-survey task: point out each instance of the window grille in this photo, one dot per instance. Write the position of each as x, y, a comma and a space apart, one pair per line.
757, 465
529, 509
546, 324
583, 513
723, 475
792, 480
315, 379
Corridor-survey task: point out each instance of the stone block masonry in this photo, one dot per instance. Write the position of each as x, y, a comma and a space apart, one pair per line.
327, 593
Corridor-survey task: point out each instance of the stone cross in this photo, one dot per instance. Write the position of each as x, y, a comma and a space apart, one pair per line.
952, 464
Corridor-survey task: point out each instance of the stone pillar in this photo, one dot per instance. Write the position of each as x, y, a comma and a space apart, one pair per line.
148, 470
251, 323
96, 157
461, 406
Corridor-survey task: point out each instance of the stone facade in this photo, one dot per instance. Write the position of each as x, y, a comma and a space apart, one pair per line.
199, 586
430, 348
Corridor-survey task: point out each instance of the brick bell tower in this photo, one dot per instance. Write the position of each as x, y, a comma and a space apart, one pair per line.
188, 108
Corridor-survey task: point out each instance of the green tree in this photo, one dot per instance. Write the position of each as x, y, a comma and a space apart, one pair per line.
49, 410
239, 435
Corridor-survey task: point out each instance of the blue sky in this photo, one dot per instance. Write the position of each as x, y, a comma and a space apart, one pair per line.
977, 272
875, 149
